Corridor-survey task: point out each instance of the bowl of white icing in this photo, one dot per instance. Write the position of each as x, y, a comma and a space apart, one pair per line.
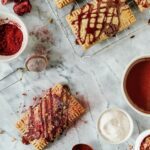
115, 125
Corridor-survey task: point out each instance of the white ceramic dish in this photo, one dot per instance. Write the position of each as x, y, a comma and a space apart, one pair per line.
19, 22
123, 85
140, 139
130, 121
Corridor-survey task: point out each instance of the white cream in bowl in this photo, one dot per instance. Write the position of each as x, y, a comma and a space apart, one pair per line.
115, 125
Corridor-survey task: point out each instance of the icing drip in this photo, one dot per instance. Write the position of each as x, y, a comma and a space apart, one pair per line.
47, 119
99, 19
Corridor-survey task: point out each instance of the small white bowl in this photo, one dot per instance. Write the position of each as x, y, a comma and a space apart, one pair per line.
130, 122
123, 84
140, 138
19, 22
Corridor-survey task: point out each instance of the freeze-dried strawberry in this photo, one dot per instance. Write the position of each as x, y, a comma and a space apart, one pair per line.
17, 1
22, 7
4, 2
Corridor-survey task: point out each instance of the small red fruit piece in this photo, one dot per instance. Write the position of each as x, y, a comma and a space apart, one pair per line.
4, 2
17, 1
25, 141
22, 7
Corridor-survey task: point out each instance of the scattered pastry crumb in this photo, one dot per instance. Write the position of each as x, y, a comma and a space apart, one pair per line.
148, 21
40, 49
77, 93
24, 94
42, 34
2, 131
20, 105
2, 21
13, 139
84, 121
23, 111
36, 100
131, 37
51, 20
130, 147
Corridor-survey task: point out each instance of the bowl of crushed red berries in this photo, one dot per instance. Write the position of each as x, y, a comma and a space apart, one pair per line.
143, 141
13, 35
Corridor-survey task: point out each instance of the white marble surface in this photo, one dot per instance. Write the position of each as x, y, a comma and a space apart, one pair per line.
97, 79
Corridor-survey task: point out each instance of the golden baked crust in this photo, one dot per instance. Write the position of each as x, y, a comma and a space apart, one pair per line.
62, 3
98, 20
143, 4
73, 111
39, 144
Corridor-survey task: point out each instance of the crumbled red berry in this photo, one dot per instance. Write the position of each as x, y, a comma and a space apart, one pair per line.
24, 140
17, 1
4, 2
22, 7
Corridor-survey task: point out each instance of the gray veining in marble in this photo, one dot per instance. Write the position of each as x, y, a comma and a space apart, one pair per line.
97, 80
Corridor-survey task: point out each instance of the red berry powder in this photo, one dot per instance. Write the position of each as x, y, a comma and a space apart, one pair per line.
11, 38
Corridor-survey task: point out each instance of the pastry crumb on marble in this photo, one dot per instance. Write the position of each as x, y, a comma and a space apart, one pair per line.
143, 4
63, 3
2, 131
46, 121
13, 139
99, 20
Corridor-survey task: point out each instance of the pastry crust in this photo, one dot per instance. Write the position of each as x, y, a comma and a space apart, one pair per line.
39, 144
63, 3
75, 110
96, 10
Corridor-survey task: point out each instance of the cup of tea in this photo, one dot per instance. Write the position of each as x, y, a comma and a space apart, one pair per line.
136, 85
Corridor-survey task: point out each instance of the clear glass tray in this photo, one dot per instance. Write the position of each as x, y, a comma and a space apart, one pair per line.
60, 14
